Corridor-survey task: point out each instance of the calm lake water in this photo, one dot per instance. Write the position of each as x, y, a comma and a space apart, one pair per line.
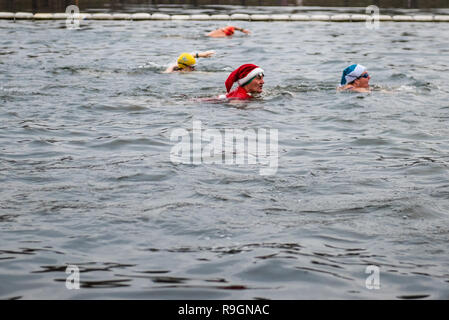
86, 178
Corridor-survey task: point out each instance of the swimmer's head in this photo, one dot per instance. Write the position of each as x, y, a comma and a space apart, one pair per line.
186, 61
352, 73
255, 85
249, 76
362, 81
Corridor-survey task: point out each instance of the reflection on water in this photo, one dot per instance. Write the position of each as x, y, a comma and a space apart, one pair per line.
153, 5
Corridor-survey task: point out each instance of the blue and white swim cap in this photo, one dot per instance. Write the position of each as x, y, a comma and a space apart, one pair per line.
351, 73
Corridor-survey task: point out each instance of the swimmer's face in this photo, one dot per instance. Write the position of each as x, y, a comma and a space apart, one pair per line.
363, 80
188, 68
255, 86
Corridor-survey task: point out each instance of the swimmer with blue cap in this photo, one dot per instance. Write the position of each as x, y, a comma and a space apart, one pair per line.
187, 61
355, 78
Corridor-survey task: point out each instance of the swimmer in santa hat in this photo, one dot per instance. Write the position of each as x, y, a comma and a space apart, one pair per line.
355, 78
226, 32
249, 78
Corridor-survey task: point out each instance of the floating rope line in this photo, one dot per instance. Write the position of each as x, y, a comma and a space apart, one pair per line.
236, 16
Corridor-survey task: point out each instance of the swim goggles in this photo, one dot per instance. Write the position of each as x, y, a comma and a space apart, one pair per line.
186, 65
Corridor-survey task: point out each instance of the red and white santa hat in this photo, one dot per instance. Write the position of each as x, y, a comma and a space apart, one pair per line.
243, 75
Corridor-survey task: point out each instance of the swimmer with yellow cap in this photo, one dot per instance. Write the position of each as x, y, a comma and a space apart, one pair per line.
187, 61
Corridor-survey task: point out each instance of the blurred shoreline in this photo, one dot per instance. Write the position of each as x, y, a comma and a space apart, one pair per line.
52, 6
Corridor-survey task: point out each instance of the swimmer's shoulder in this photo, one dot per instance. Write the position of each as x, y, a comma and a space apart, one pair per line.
346, 87
350, 88
172, 68
362, 90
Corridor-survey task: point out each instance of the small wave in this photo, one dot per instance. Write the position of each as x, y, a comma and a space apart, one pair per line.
396, 76
121, 143
414, 296
144, 177
215, 69
417, 87
101, 284
273, 95
72, 70
121, 107
3, 53
80, 70
305, 86
149, 66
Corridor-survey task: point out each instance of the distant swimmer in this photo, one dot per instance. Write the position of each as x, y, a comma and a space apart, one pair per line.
186, 62
355, 78
226, 32
249, 78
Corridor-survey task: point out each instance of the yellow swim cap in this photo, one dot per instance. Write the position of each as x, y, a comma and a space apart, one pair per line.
186, 59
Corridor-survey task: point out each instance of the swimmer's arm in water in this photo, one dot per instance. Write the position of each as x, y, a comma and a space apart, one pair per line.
170, 69
242, 30
204, 54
